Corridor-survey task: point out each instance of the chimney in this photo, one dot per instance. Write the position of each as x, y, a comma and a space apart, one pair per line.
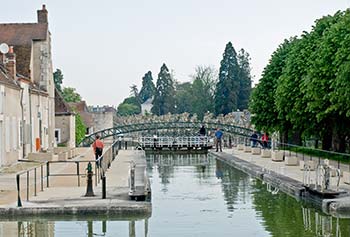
11, 63
42, 15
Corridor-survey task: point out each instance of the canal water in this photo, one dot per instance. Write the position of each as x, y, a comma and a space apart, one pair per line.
197, 195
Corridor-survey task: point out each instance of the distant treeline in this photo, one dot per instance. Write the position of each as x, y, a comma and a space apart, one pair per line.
208, 91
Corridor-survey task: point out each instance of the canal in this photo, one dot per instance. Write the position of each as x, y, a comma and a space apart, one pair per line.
197, 195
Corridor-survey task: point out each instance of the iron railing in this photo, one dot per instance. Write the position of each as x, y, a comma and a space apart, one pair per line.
137, 127
30, 181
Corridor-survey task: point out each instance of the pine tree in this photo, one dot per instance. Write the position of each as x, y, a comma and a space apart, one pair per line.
148, 89
164, 99
227, 88
245, 79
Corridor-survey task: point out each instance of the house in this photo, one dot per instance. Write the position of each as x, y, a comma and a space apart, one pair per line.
103, 117
10, 117
64, 122
147, 106
27, 84
82, 109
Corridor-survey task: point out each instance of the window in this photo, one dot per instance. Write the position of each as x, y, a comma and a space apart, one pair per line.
58, 135
14, 133
2, 98
7, 134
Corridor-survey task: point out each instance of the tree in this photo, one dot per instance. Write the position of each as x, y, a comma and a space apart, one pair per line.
125, 109
58, 79
80, 129
245, 79
203, 87
164, 102
262, 102
183, 98
330, 55
226, 95
129, 106
148, 88
69, 95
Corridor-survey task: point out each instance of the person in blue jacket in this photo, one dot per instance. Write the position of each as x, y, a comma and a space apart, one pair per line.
218, 139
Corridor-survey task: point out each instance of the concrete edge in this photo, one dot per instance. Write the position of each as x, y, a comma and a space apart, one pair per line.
284, 183
138, 210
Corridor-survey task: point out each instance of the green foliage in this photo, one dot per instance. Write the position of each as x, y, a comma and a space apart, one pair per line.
69, 95
262, 103
184, 97
164, 102
203, 87
130, 106
245, 79
305, 87
148, 88
226, 94
80, 129
58, 79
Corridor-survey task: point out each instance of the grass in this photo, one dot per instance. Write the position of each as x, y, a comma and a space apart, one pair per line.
343, 158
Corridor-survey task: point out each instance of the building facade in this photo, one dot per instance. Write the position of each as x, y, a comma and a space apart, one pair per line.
28, 111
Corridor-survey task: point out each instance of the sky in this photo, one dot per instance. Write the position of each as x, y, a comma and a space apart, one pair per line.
105, 46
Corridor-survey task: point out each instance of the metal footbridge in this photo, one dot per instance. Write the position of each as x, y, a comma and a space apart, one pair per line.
156, 126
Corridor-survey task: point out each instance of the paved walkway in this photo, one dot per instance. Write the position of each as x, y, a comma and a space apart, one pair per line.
64, 195
293, 172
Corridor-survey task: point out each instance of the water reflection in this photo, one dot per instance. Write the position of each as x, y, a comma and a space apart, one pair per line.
89, 228
196, 195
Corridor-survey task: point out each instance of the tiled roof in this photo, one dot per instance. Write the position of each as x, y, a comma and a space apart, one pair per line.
22, 33
81, 108
6, 79
61, 107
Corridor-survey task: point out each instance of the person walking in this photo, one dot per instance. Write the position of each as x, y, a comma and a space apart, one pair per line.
218, 141
254, 139
202, 131
265, 140
98, 148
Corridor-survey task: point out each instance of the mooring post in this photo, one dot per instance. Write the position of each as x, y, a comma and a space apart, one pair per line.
19, 202
89, 190
103, 186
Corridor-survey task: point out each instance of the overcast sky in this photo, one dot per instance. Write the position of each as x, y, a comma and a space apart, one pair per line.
105, 46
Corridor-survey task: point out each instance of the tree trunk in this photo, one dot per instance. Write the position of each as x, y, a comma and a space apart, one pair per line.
296, 139
327, 140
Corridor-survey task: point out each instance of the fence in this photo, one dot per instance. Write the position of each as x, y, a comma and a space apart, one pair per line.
36, 179
339, 160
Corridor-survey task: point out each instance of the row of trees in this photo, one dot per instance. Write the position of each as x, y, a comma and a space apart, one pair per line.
304, 90
206, 92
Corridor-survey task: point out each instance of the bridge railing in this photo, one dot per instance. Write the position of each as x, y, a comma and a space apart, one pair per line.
188, 141
166, 125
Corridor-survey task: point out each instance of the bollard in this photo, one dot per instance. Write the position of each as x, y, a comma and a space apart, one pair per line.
103, 187
89, 190
126, 145
19, 202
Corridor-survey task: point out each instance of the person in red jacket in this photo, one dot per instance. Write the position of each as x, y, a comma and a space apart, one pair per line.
265, 140
98, 147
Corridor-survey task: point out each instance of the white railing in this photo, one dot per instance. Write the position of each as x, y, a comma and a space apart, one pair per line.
194, 141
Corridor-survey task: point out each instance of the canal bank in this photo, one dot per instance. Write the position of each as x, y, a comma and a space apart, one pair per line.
64, 199
288, 179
